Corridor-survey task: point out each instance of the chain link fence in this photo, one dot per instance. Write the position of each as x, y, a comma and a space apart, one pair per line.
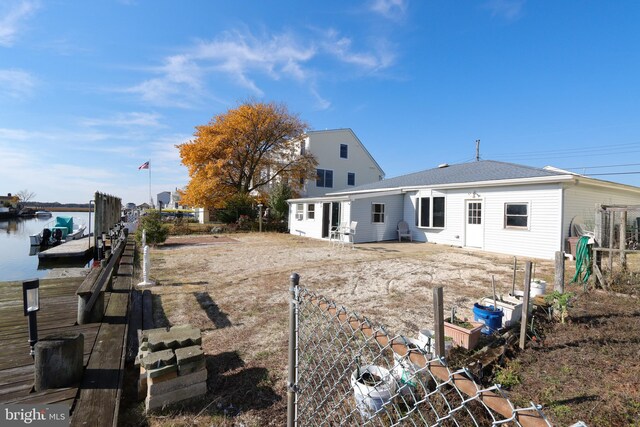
347, 371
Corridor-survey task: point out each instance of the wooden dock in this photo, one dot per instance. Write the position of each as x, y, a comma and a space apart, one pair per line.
96, 399
79, 248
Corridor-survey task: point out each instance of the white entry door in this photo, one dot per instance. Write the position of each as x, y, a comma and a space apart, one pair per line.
474, 231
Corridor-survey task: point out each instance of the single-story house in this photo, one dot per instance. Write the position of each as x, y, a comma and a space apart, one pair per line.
495, 206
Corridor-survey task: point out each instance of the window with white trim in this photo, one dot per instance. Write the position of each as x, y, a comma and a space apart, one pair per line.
431, 212
344, 151
311, 211
299, 211
516, 215
377, 213
324, 178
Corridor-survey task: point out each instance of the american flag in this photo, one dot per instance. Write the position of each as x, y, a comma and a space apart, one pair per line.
145, 165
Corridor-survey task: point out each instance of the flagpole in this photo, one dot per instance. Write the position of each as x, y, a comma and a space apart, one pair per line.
150, 198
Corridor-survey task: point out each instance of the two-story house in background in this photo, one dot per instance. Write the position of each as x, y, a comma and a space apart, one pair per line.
343, 162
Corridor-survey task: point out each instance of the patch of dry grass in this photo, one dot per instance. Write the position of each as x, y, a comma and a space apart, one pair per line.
237, 292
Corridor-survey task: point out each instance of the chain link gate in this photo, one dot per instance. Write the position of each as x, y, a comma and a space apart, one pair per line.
345, 370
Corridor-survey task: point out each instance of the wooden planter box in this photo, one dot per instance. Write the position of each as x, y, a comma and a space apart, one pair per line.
463, 337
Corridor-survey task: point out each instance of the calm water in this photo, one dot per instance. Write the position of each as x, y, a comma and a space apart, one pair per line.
15, 261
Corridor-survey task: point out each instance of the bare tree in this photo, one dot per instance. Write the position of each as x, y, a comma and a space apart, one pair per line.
24, 196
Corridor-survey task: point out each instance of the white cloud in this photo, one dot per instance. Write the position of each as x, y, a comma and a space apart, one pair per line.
126, 120
16, 83
379, 57
510, 10
244, 58
11, 19
390, 9
321, 103
179, 81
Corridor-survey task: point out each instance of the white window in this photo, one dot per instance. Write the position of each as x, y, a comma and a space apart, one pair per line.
516, 215
344, 151
431, 212
324, 178
299, 211
311, 211
377, 213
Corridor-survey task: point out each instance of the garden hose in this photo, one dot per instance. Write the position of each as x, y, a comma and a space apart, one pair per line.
583, 261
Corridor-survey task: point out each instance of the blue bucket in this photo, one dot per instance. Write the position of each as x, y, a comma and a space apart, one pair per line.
491, 318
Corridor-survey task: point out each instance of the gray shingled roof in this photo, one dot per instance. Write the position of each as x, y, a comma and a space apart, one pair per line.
483, 170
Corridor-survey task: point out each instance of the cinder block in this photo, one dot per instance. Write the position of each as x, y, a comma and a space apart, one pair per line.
141, 354
158, 359
189, 368
159, 374
174, 396
142, 384
176, 384
176, 337
188, 354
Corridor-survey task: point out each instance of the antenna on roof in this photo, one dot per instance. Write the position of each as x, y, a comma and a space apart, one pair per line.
477, 150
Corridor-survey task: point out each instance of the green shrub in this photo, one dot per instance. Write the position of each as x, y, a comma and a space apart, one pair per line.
237, 206
156, 232
508, 376
278, 197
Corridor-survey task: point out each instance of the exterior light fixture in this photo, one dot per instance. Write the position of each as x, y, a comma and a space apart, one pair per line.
100, 248
31, 302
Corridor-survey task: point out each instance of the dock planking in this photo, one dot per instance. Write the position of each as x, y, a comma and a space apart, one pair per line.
95, 400
73, 249
57, 313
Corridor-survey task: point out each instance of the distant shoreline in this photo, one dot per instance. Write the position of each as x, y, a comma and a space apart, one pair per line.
61, 208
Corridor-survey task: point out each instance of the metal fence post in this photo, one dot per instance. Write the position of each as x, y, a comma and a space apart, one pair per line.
438, 320
293, 350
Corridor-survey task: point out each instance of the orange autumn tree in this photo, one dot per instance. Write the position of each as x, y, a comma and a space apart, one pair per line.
243, 150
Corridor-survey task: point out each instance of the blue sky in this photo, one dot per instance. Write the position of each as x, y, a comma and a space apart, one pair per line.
91, 90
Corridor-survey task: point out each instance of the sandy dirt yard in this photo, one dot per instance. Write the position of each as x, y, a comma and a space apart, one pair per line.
235, 288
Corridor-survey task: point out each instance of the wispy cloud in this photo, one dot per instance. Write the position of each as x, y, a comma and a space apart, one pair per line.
244, 58
12, 17
390, 9
125, 120
511, 10
179, 79
379, 57
16, 83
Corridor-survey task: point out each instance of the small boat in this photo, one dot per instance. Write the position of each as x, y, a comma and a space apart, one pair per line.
63, 229
43, 214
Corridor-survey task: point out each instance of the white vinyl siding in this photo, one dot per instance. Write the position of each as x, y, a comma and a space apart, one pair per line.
360, 210
325, 146
539, 240
580, 204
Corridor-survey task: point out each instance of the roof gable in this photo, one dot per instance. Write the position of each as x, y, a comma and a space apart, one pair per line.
355, 138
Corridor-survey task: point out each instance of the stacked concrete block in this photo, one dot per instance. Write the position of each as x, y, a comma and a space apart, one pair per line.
172, 366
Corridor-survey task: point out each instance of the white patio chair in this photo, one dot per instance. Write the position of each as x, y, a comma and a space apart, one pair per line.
350, 233
336, 233
403, 231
